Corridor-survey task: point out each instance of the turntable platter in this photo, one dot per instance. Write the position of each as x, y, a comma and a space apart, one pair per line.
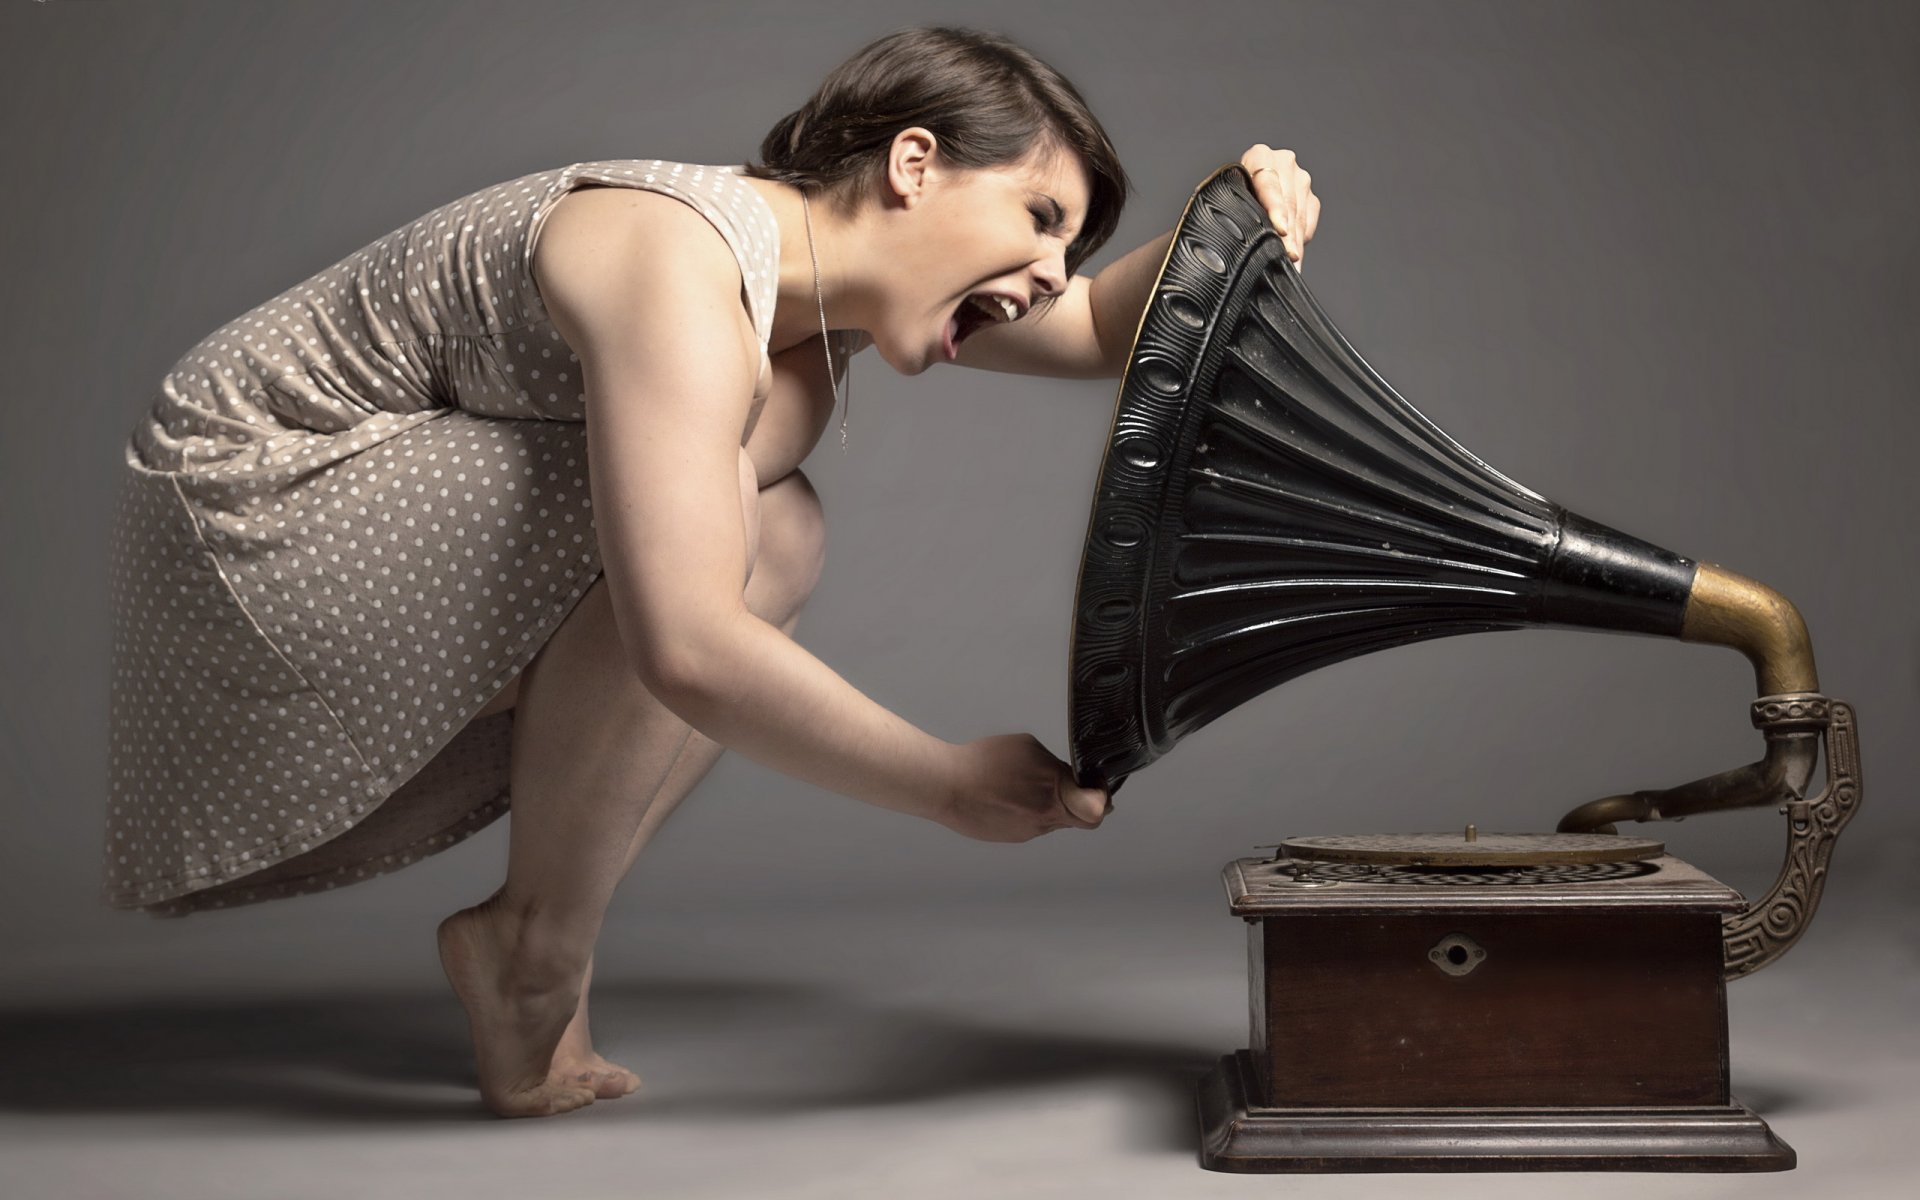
1471, 849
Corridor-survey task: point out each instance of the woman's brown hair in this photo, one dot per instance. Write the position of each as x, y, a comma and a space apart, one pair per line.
987, 100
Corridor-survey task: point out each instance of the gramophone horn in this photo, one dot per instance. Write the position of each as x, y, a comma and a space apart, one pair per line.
1268, 504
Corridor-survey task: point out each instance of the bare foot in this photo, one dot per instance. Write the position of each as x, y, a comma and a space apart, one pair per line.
516, 1016
575, 1059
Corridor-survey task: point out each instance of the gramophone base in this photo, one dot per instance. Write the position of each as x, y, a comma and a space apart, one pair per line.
1238, 1136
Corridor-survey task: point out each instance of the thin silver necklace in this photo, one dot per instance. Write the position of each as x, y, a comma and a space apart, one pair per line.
826, 339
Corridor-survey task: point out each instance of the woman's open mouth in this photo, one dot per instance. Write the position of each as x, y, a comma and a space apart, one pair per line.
976, 312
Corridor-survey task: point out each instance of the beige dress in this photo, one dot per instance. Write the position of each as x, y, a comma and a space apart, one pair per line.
348, 519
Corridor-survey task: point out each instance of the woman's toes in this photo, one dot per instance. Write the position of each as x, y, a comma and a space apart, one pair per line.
611, 1084
608, 1081
622, 1082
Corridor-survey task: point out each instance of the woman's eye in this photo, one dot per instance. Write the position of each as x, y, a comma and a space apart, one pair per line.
1039, 219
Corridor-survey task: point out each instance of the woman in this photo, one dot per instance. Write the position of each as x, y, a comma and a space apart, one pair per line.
379, 565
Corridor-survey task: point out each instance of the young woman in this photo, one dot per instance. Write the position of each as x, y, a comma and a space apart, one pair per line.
508, 504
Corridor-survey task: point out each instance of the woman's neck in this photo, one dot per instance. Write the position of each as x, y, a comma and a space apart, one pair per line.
797, 307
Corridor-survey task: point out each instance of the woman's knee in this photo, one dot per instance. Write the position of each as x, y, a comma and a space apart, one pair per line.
786, 541
792, 548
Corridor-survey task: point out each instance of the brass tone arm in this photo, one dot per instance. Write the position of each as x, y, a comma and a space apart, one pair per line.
1798, 723
1780, 777
1726, 609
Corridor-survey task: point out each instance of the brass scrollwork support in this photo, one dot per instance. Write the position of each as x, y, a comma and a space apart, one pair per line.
1768, 927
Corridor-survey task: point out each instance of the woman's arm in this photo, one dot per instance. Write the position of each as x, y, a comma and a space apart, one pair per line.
651, 305
1089, 331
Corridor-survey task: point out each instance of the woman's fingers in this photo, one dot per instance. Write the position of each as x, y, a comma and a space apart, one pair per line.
1014, 790
1085, 807
1285, 190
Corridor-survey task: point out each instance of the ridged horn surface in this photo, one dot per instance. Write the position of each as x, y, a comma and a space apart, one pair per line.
1268, 504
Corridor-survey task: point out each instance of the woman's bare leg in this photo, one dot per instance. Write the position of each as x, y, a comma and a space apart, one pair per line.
590, 747
787, 567
592, 750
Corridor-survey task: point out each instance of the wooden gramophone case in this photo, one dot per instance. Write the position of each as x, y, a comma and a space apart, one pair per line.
1562, 1015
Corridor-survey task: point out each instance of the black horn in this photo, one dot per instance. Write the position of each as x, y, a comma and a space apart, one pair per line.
1268, 504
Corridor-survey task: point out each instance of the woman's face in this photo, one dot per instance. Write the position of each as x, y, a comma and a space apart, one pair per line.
960, 245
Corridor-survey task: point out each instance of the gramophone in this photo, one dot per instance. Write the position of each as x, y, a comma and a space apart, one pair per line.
1268, 504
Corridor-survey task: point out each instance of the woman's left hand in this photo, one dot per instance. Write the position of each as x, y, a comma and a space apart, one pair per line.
1284, 190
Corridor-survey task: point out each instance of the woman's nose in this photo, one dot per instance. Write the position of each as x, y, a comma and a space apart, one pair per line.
1050, 275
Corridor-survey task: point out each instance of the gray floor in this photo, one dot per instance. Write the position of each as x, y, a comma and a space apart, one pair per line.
1028, 1046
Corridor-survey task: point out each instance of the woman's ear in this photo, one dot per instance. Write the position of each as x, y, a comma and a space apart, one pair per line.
910, 164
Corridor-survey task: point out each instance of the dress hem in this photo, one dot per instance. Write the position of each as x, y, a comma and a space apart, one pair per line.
176, 892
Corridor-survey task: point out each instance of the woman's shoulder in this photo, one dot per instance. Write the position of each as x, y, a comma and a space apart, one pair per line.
670, 218
593, 224
636, 277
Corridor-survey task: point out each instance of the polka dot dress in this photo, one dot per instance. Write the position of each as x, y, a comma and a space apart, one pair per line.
348, 519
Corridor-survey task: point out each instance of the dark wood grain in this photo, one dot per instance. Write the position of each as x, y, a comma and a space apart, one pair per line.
1591, 1008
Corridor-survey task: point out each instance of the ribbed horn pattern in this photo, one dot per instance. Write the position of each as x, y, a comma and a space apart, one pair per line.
1268, 504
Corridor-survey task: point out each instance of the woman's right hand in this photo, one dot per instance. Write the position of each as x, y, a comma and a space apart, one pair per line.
1012, 789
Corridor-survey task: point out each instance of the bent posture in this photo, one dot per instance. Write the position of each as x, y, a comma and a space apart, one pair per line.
400, 615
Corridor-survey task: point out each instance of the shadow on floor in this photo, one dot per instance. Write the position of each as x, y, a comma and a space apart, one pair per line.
1776, 1096
707, 1049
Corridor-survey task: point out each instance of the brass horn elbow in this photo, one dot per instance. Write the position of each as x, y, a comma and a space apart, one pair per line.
1726, 609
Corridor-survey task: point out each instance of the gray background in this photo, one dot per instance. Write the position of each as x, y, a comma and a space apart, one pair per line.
1656, 261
